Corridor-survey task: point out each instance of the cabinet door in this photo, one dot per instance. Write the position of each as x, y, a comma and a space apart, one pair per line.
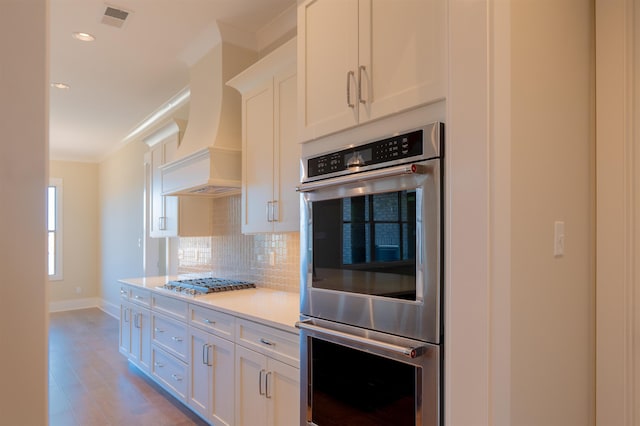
327, 66
401, 55
283, 394
141, 338
157, 225
251, 404
211, 390
201, 382
170, 148
222, 393
125, 329
286, 155
257, 156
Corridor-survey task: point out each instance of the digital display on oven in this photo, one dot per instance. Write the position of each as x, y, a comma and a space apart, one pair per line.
395, 148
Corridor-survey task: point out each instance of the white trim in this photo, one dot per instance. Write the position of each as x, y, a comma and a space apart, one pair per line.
110, 308
500, 212
74, 304
467, 400
616, 209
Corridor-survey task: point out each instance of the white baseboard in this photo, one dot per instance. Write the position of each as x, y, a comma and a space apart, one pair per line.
73, 304
110, 308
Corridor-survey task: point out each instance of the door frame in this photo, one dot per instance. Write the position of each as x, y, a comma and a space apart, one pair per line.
617, 290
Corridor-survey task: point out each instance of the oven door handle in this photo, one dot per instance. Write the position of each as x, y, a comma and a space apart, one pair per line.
406, 351
404, 169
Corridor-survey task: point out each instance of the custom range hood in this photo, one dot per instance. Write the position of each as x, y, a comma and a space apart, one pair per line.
208, 159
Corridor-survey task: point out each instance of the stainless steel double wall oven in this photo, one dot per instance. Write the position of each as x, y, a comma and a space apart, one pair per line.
371, 294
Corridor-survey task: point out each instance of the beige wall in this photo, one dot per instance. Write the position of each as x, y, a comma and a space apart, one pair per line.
81, 232
121, 210
24, 175
552, 179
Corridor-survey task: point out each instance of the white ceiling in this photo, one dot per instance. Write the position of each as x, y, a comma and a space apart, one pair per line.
128, 73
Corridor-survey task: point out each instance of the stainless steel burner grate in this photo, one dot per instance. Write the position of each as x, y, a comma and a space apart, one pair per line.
197, 286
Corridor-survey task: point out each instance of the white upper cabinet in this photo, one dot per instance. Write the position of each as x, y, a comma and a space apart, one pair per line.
173, 216
361, 60
270, 152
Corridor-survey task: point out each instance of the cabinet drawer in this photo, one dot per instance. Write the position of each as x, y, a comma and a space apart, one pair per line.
170, 372
269, 341
140, 296
170, 306
171, 335
124, 292
212, 321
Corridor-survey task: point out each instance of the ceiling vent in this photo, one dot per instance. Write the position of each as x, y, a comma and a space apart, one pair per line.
114, 17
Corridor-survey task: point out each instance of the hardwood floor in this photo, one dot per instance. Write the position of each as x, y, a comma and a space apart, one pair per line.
91, 383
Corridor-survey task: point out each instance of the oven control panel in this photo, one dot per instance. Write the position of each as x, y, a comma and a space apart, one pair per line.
395, 148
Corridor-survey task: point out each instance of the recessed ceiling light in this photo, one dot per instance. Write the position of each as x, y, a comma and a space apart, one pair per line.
59, 85
83, 36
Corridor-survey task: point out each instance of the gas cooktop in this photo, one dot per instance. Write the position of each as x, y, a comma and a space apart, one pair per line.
205, 285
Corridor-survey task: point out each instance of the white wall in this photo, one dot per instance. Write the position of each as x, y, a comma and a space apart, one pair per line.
79, 286
552, 179
121, 205
24, 177
519, 322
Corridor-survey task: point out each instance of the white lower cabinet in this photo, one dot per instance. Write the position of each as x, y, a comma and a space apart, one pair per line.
141, 338
228, 370
212, 380
267, 389
170, 372
135, 333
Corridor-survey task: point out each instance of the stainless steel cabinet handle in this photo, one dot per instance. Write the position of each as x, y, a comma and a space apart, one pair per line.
137, 320
266, 342
158, 365
360, 98
138, 297
266, 386
158, 330
349, 103
123, 292
126, 317
260, 383
176, 338
208, 321
274, 211
206, 354
176, 377
162, 223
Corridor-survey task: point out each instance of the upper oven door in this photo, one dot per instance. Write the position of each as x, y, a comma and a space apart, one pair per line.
372, 250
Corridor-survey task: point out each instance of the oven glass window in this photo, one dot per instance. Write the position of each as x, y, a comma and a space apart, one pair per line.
352, 387
366, 244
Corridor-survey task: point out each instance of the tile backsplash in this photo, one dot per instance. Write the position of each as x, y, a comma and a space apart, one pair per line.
231, 254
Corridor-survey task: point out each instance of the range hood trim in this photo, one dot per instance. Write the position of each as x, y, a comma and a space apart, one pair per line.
197, 174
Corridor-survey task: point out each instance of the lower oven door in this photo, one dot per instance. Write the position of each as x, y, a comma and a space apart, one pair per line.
353, 376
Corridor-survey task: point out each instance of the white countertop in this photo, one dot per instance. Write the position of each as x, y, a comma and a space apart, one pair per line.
279, 309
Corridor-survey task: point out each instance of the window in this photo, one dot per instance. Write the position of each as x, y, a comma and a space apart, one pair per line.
54, 229
379, 228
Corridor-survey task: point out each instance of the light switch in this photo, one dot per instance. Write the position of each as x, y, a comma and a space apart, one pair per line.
558, 239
